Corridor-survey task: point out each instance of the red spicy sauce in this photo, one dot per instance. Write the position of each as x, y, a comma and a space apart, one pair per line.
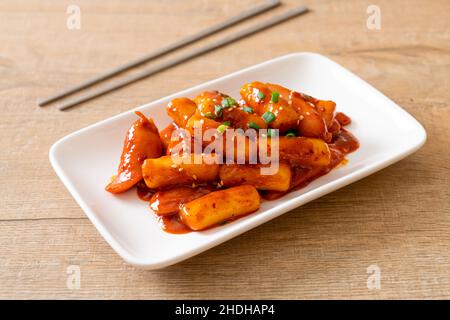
172, 224
143, 192
343, 143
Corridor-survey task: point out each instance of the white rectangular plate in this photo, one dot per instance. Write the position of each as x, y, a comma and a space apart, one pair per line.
86, 159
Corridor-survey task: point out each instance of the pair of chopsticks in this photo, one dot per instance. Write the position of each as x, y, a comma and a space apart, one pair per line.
177, 60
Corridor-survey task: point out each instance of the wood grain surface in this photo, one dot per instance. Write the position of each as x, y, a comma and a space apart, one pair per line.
397, 219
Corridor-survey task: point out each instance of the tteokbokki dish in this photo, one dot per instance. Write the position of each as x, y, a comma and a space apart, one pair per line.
307, 136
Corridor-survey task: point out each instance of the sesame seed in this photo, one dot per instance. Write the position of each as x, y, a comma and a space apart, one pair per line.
180, 169
194, 177
307, 113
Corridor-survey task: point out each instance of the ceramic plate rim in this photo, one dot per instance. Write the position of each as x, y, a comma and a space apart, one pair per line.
266, 215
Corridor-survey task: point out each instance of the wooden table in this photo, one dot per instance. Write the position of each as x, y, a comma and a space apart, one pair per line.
397, 219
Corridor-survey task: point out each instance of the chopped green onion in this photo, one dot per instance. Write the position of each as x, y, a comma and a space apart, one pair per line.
228, 102
218, 110
222, 128
275, 96
261, 95
209, 115
272, 132
291, 133
268, 117
253, 125
248, 109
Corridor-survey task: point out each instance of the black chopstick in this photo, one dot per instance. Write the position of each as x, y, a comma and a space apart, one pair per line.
158, 53
192, 54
